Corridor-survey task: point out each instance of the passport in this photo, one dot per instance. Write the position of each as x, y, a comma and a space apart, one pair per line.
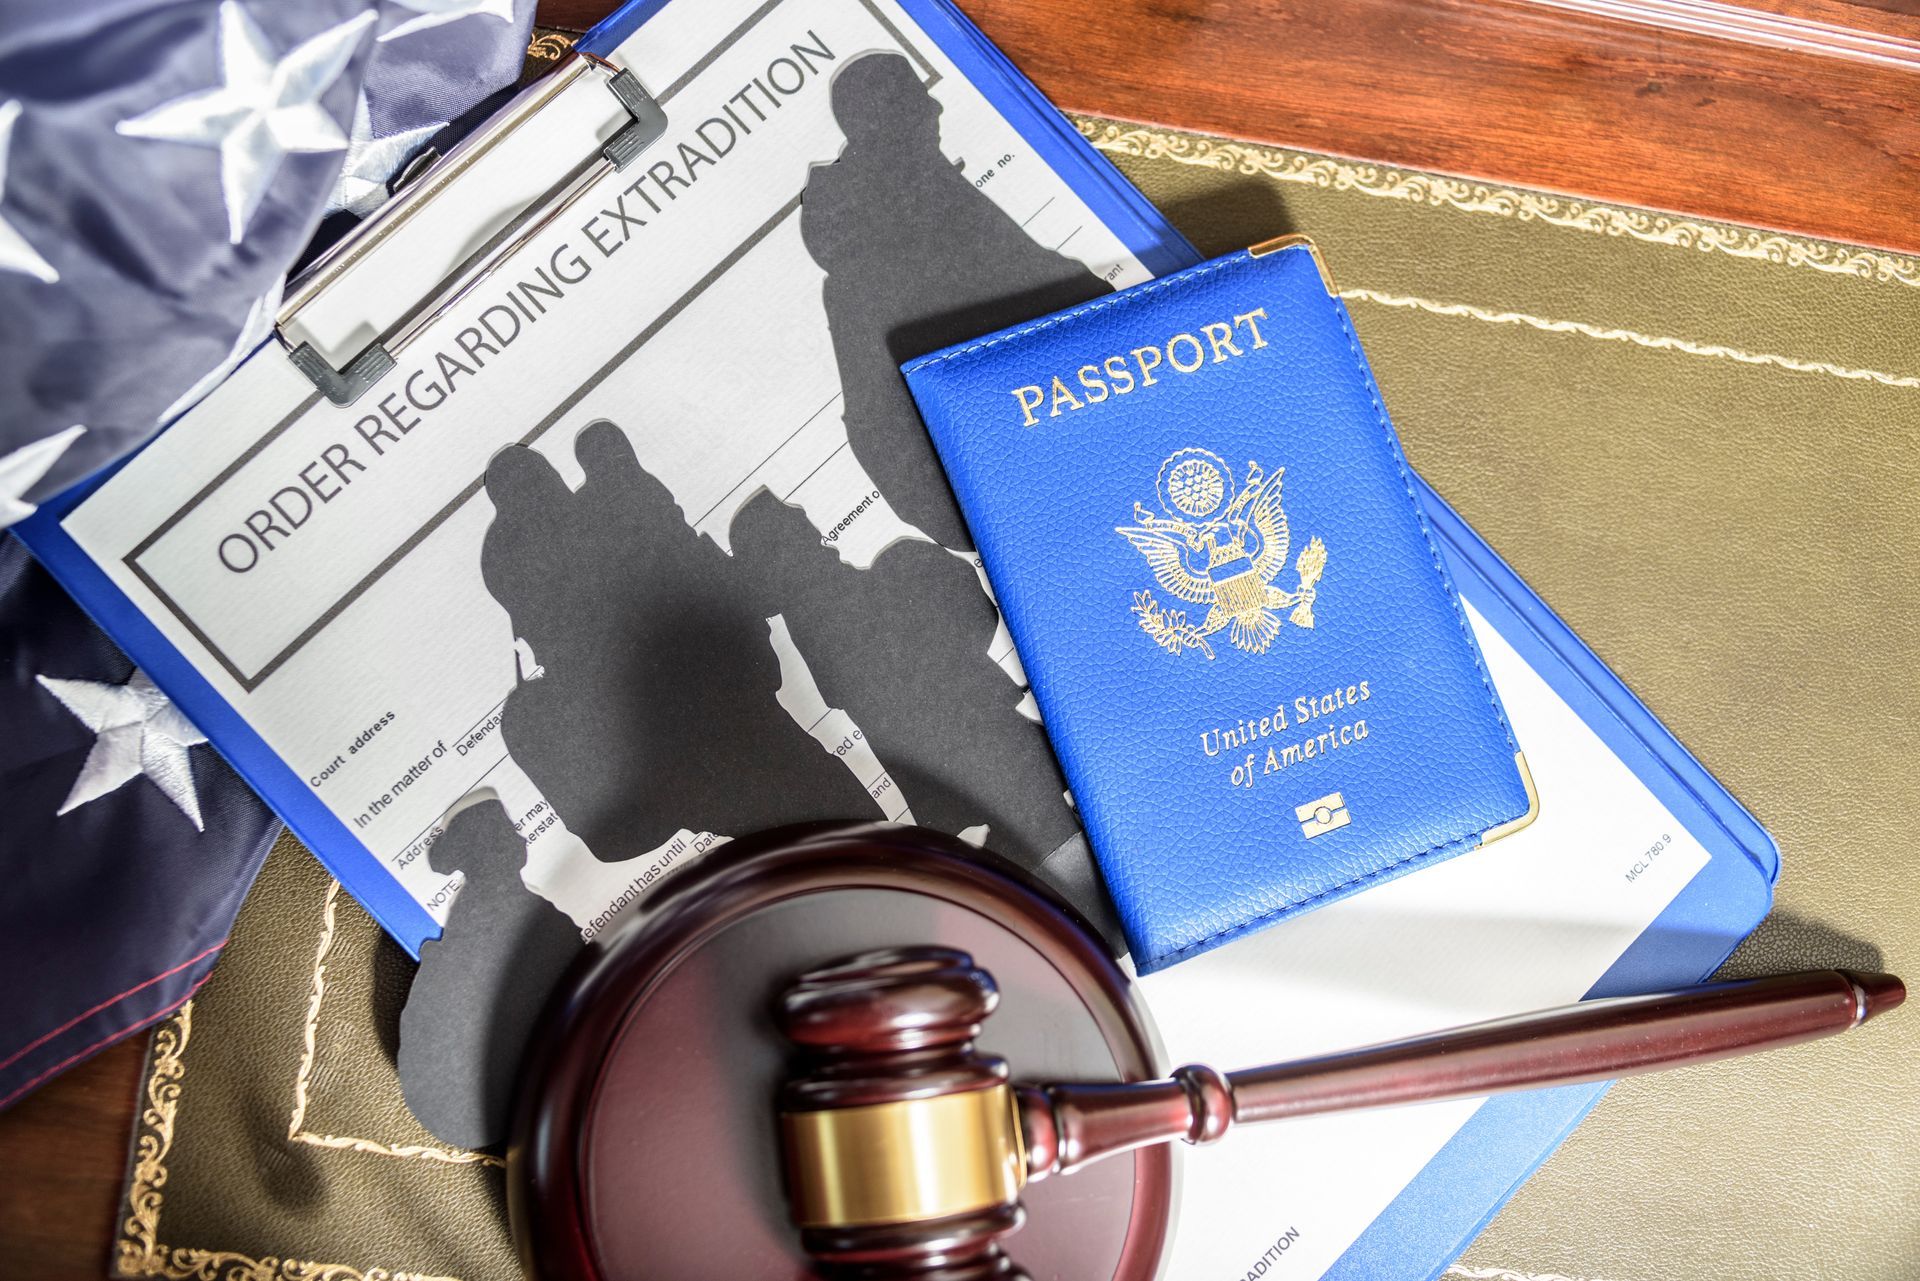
1196, 518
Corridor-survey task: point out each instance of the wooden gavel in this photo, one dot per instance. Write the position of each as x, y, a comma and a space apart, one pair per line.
907, 1149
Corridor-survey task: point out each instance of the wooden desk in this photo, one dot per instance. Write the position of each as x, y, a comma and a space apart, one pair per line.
1517, 92
1514, 91
62, 1151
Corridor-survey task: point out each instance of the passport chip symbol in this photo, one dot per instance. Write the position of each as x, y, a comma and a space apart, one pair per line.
1318, 817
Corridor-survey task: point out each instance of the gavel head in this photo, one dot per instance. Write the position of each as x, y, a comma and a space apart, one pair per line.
646, 1142
903, 1146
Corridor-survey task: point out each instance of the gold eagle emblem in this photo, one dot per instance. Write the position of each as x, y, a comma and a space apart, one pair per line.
1220, 546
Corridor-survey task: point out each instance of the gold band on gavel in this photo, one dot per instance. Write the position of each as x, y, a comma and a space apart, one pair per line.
904, 1161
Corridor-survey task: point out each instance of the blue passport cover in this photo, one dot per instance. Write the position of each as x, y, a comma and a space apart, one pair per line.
1209, 550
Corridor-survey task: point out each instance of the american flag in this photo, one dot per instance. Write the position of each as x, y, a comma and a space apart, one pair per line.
163, 164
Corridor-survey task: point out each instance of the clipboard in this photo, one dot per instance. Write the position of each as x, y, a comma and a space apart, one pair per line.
427, 255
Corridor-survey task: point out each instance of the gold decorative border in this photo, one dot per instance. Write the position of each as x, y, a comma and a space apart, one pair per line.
549, 46
1440, 192
1658, 342
139, 1252
302, 1081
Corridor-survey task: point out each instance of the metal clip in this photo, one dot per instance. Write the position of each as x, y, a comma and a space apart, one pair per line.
647, 122
343, 386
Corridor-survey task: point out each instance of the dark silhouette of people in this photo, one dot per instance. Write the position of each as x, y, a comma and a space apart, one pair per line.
916, 259
657, 708
655, 711
481, 984
903, 648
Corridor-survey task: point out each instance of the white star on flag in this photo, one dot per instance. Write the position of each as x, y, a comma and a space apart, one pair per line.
15, 253
137, 731
261, 111
434, 13
23, 468
371, 162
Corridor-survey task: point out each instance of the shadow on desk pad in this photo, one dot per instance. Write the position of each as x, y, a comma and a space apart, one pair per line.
1698, 442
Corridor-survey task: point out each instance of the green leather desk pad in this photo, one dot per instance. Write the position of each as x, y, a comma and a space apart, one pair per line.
1700, 443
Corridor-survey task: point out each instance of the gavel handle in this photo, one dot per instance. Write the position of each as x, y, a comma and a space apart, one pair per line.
1067, 1126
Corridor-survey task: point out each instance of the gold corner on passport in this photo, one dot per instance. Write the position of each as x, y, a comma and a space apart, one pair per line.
1513, 825
1278, 243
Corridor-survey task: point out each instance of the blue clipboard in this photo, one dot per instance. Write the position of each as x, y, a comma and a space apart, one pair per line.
1109, 195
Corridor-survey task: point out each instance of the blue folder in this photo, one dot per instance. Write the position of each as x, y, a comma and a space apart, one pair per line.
1442, 1209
